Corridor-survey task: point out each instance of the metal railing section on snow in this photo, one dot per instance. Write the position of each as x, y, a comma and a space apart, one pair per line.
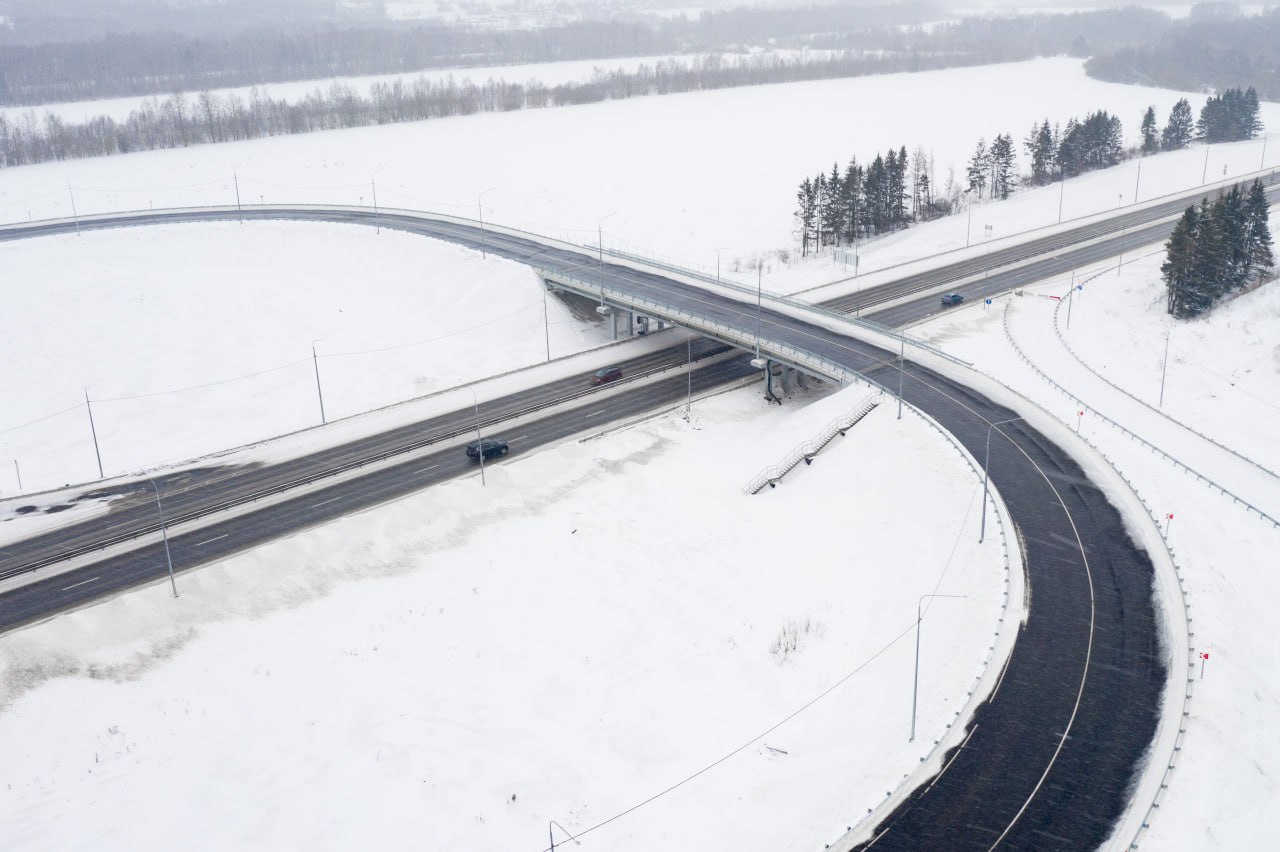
805, 452
1235, 498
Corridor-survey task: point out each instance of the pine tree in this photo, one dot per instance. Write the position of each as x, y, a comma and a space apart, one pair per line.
1177, 263
806, 214
978, 165
1150, 136
1260, 263
850, 195
1179, 130
1209, 263
1004, 166
829, 212
874, 192
1039, 146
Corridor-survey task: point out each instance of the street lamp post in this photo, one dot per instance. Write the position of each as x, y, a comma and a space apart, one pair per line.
315, 362
235, 177
1062, 191
1164, 368
1137, 181
600, 257
479, 440
902, 359
986, 460
165, 534
968, 225
986, 272
759, 300
373, 186
480, 207
915, 683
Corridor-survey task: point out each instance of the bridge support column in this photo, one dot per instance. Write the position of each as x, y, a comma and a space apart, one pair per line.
631, 323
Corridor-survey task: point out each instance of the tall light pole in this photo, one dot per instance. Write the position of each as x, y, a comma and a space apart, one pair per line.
315, 362
915, 683
74, 214
1204, 175
968, 225
689, 398
373, 186
165, 533
1062, 191
480, 207
902, 359
235, 177
759, 300
93, 430
986, 272
1137, 181
1263, 161
986, 460
600, 258
1164, 369
479, 440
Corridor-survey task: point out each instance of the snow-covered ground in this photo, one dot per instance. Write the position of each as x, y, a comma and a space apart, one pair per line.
594, 625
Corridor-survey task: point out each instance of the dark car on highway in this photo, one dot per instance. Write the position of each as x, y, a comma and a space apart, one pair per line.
607, 374
951, 299
490, 447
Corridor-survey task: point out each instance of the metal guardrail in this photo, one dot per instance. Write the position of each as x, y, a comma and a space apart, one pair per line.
805, 452
1235, 498
1057, 328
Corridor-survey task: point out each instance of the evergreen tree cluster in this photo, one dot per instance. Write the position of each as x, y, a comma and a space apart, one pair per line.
995, 167
1082, 146
885, 195
1230, 117
1216, 249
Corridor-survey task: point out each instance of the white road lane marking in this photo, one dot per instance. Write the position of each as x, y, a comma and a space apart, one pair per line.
425, 469
81, 583
211, 540
323, 502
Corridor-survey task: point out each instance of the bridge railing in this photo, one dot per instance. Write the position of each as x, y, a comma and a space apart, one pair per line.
810, 361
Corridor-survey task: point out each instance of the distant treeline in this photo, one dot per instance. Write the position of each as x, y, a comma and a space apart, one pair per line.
182, 120
161, 63
1203, 52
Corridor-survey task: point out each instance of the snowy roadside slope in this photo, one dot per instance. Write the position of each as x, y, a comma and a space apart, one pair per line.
410, 652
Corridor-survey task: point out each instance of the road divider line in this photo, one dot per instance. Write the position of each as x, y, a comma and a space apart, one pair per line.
427, 468
211, 540
81, 583
324, 502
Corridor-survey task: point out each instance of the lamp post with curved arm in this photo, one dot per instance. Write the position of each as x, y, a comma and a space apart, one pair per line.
165, 534
600, 250
915, 684
479, 440
986, 460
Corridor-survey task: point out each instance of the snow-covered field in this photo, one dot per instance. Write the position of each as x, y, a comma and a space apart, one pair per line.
611, 635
